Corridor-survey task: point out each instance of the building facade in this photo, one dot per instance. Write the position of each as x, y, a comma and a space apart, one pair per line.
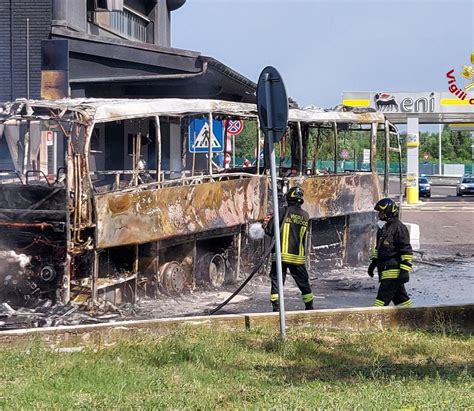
105, 48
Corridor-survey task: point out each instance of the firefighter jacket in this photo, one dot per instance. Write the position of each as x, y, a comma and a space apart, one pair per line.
393, 250
293, 223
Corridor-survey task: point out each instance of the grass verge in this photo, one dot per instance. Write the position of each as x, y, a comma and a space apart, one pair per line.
193, 369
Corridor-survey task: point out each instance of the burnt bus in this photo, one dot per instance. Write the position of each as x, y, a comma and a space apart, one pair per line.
332, 155
103, 200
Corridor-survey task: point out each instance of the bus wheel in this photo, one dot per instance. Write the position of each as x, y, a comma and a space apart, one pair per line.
216, 271
172, 279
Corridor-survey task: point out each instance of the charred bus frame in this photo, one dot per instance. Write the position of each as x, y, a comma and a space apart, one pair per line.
98, 224
106, 229
339, 200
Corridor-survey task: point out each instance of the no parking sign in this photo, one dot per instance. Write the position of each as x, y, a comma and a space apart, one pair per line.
345, 154
234, 127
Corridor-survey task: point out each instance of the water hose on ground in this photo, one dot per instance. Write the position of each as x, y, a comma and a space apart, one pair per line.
254, 271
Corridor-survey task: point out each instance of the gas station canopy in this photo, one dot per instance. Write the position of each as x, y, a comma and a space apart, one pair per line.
428, 107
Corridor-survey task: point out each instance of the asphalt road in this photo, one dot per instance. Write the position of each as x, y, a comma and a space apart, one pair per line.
444, 274
438, 193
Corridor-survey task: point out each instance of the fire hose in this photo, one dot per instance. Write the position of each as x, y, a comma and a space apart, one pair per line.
254, 271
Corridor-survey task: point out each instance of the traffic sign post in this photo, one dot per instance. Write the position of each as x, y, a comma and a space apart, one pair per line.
200, 134
234, 127
272, 104
345, 154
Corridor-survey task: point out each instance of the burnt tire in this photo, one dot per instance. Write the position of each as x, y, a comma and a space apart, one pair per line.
172, 279
216, 272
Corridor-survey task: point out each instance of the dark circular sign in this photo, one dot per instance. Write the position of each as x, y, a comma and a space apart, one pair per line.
272, 103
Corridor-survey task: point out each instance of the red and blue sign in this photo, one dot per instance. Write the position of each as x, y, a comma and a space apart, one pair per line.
234, 127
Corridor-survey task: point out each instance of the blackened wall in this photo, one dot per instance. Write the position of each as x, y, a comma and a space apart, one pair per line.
13, 15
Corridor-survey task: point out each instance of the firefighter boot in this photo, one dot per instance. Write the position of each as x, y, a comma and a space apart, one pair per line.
275, 306
309, 305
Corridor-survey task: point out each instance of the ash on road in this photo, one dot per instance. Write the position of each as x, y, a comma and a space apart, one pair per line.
444, 273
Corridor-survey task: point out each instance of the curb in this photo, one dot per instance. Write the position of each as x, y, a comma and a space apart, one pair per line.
458, 318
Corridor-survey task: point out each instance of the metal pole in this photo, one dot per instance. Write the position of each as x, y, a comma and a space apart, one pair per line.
440, 131
27, 58
27, 148
276, 214
258, 146
300, 143
158, 148
211, 133
334, 128
233, 150
226, 123
386, 169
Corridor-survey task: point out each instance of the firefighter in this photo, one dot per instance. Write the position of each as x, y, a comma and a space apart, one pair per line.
392, 256
293, 223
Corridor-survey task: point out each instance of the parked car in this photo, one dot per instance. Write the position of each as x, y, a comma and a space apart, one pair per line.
424, 187
465, 185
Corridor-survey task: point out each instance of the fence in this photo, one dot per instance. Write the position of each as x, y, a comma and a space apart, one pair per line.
424, 168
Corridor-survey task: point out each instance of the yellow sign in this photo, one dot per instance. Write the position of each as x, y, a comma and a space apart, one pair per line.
356, 103
412, 140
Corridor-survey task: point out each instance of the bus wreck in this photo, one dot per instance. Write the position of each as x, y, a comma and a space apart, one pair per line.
109, 199
332, 155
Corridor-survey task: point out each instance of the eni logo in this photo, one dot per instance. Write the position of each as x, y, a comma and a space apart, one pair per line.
387, 102
467, 73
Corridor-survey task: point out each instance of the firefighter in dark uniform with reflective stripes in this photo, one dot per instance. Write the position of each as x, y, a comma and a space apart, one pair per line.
392, 257
294, 224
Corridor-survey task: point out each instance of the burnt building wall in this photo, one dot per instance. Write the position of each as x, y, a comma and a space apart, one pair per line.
13, 66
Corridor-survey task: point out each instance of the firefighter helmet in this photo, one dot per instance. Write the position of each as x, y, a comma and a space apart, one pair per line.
388, 207
295, 195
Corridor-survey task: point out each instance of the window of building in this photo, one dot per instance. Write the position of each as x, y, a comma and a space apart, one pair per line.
130, 24
124, 22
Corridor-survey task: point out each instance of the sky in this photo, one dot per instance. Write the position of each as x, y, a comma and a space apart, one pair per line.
323, 48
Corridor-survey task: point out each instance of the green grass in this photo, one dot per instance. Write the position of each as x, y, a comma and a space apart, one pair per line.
236, 370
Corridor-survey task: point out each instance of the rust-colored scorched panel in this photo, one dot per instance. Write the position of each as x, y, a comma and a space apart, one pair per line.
333, 196
157, 214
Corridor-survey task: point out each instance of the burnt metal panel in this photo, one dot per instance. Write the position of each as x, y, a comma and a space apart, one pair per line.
54, 84
337, 195
33, 221
360, 237
156, 214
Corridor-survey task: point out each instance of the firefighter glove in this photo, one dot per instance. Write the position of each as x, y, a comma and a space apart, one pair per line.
372, 267
404, 276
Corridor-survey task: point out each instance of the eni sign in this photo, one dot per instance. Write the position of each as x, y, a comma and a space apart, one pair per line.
393, 102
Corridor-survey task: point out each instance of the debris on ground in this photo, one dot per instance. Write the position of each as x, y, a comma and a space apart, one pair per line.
337, 288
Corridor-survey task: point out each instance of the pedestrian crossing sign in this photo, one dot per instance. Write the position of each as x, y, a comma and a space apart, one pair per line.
199, 136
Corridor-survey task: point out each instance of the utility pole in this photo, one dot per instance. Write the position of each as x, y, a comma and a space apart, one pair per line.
28, 59
440, 132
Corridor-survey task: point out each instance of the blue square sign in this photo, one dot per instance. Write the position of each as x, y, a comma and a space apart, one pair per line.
199, 136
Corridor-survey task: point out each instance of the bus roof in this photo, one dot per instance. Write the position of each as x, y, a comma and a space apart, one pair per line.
106, 110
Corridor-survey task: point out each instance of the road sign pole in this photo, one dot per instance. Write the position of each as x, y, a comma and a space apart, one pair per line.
211, 141
233, 151
440, 132
276, 214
